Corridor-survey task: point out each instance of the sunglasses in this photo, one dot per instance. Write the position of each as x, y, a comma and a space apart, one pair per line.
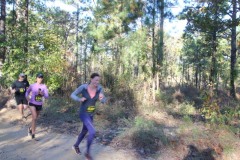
40, 77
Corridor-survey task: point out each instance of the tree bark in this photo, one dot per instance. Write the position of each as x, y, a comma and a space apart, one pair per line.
3, 32
77, 39
25, 47
233, 49
153, 52
161, 33
213, 70
153, 41
85, 61
212, 76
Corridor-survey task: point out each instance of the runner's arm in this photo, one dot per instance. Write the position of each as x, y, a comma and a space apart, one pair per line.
27, 84
27, 92
45, 92
102, 97
75, 94
13, 88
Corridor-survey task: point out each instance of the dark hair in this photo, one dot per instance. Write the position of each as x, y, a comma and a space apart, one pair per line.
26, 78
39, 75
94, 75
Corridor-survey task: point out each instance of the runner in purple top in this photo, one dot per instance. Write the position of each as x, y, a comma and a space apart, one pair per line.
35, 94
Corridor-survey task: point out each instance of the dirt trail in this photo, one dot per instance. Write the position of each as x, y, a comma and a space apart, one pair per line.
16, 145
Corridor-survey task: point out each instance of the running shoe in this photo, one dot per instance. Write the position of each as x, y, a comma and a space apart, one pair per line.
76, 149
88, 156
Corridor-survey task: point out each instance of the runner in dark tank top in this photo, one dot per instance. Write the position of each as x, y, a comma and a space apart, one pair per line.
89, 94
19, 88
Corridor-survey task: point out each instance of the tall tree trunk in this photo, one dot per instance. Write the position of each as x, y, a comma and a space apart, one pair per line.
3, 32
117, 60
153, 41
153, 51
12, 28
213, 70
200, 79
77, 40
183, 73
85, 61
25, 47
160, 43
196, 77
161, 34
233, 49
197, 68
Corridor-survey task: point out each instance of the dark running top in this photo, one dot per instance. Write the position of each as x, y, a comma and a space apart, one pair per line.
20, 87
88, 106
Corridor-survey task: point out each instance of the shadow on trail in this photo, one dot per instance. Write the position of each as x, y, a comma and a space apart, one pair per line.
5, 96
3, 101
195, 154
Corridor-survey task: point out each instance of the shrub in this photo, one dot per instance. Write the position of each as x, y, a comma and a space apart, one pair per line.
187, 109
115, 112
165, 97
147, 135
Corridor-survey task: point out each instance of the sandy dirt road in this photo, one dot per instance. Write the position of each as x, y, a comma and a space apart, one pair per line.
15, 144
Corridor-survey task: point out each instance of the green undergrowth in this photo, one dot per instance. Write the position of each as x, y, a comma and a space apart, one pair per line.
144, 135
135, 125
58, 106
58, 111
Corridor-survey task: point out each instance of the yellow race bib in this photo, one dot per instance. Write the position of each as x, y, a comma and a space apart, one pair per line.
38, 98
91, 109
21, 90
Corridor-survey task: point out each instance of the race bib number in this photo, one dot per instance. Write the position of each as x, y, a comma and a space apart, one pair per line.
21, 90
91, 109
38, 98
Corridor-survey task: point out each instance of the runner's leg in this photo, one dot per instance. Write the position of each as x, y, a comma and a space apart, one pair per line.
38, 113
20, 107
81, 135
34, 118
25, 106
91, 130
28, 110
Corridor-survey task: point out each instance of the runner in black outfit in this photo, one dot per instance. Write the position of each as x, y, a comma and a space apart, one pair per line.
19, 87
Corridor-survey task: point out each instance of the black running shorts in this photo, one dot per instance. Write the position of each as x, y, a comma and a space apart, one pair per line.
21, 100
38, 107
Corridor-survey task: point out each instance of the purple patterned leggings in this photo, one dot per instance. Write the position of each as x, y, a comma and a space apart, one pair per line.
87, 127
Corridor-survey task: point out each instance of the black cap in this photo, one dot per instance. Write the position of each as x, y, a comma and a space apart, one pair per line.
40, 75
21, 75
